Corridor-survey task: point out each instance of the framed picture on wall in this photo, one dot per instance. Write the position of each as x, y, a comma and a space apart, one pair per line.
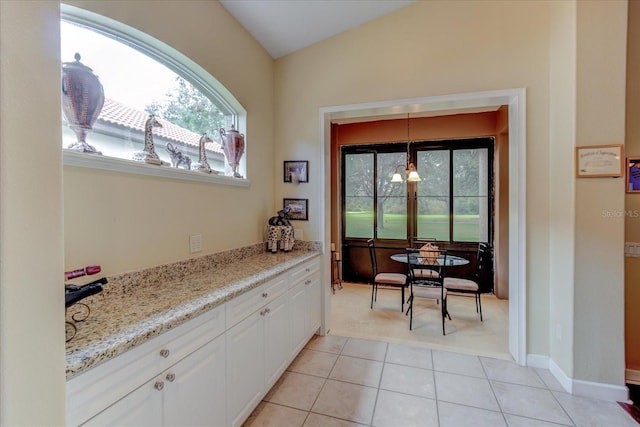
595, 161
633, 174
296, 171
298, 208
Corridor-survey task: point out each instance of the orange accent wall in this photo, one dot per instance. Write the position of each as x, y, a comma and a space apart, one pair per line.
418, 129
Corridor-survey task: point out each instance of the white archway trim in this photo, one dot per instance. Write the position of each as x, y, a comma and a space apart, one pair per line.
450, 104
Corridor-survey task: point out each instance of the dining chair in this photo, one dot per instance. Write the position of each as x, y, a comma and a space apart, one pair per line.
430, 287
417, 243
397, 280
472, 285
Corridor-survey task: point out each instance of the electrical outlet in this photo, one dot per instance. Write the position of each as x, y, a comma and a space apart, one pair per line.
195, 243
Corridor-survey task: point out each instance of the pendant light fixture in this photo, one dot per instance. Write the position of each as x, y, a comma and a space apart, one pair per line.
410, 171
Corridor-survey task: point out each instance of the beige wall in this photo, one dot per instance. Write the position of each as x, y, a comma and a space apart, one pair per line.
127, 222
428, 49
562, 111
632, 222
600, 119
436, 48
31, 241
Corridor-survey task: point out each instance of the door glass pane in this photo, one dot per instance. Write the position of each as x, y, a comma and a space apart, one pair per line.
358, 195
392, 197
470, 195
433, 194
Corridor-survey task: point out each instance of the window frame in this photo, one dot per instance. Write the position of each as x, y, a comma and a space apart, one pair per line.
411, 189
181, 65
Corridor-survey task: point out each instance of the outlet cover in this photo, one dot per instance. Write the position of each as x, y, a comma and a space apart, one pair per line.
195, 243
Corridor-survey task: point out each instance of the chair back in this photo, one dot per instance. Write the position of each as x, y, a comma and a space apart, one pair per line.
482, 268
372, 255
420, 259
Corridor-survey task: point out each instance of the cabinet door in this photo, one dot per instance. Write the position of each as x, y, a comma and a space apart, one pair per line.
277, 339
194, 392
314, 304
298, 309
142, 407
245, 368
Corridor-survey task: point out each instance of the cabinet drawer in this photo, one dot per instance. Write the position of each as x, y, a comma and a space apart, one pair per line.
242, 306
299, 274
101, 386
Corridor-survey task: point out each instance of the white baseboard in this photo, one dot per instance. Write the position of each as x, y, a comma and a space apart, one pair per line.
609, 392
565, 381
538, 361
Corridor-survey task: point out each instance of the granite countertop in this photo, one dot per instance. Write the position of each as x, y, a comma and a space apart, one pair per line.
135, 307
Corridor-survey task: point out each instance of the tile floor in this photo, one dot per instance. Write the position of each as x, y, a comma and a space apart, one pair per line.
340, 381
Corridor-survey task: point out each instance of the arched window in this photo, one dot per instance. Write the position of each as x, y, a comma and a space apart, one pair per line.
141, 77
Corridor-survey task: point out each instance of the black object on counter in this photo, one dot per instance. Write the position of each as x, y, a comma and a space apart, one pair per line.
73, 293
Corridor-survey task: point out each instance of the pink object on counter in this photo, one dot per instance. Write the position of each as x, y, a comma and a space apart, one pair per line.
88, 270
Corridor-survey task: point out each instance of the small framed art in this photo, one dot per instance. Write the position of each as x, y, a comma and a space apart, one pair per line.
298, 208
595, 161
296, 171
633, 174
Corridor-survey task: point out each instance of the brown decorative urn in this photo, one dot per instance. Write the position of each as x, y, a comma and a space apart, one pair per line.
82, 101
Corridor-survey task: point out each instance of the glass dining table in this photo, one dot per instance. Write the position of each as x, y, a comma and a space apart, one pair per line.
452, 260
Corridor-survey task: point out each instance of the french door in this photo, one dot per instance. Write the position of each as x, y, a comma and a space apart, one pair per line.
453, 203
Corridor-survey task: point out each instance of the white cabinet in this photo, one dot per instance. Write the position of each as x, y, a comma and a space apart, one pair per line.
195, 392
258, 349
133, 389
143, 407
190, 393
277, 340
305, 301
245, 368
211, 370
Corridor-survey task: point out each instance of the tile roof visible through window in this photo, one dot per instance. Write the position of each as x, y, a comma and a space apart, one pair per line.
123, 115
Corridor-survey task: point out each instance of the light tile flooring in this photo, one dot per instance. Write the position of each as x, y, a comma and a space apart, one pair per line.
340, 381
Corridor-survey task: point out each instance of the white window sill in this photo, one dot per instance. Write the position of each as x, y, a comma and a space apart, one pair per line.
73, 158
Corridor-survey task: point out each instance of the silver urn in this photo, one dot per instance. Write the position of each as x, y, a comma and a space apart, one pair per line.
233, 147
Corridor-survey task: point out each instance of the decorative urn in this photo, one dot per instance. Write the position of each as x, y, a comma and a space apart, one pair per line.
233, 147
82, 101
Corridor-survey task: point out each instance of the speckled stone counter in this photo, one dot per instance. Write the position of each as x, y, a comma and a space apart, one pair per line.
134, 307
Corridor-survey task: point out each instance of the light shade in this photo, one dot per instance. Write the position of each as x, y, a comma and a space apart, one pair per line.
396, 177
414, 177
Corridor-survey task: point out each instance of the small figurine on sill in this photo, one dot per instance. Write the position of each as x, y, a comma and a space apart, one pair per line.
203, 164
178, 158
148, 154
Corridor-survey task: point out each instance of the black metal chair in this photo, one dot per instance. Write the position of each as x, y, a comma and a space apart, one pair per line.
397, 280
427, 286
472, 285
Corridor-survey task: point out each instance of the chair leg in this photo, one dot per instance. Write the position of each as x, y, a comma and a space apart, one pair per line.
480, 305
409, 301
444, 311
402, 299
373, 291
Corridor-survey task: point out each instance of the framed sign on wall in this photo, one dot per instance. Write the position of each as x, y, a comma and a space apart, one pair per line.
595, 161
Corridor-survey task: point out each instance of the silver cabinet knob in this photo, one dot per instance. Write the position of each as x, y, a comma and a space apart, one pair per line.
164, 352
159, 385
306, 282
171, 377
264, 295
